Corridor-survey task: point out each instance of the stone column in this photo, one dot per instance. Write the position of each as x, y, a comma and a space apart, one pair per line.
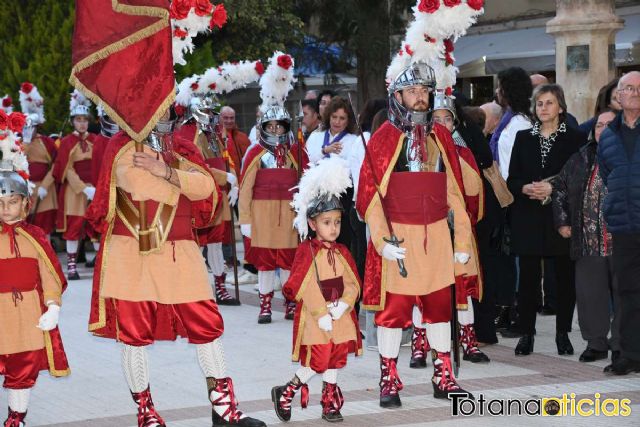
585, 44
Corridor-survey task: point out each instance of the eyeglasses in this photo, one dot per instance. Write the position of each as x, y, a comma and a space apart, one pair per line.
273, 128
629, 89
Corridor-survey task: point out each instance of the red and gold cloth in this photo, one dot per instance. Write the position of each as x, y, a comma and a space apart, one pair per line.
122, 60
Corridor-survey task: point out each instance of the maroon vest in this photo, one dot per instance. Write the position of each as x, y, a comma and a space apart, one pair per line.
275, 184
38, 170
417, 198
19, 275
83, 169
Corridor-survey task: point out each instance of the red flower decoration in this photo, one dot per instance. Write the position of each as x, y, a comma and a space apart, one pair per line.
180, 9
451, 3
180, 33
212, 86
475, 4
219, 17
17, 121
429, 39
428, 6
24, 175
6, 102
202, 7
448, 91
448, 59
194, 86
448, 45
179, 109
259, 68
26, 87
4, 120
408, 49
285, 61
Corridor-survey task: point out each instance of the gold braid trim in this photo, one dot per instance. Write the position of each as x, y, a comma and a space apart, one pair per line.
162, 23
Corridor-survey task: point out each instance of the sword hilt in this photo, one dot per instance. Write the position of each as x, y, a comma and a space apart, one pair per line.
393, 240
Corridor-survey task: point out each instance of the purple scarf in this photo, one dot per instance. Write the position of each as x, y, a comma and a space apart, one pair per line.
337, 139
493, 144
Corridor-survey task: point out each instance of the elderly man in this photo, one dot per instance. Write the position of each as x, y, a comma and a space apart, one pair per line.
492, 112
619, 161
538, 79
237, 142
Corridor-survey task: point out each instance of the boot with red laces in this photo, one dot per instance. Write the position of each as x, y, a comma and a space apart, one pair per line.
72, 268
222, 295
282, 397
15, 419
289, 309
419, 348
265, 308
225, 405
332, 401
443, 381
469, 344
147, 415
390, 383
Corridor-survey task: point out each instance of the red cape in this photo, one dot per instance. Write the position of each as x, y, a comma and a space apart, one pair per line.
299, 279
99, 146
383, 149
101, 214
56, 357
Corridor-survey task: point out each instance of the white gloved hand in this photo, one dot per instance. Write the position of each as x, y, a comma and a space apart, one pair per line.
245, 229
461, 257
393, 253
90, 192
49, 320
231, 179
233, 195
42, 192
337, 311
325, 323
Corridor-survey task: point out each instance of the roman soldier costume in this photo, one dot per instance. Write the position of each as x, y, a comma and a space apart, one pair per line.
270, 170
30, 289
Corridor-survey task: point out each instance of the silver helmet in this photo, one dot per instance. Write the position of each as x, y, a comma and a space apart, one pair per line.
271, 140
11, 182
159, 139
416, 74
29, 129
441, 101
205, 111
80, 110
324, 204
108, 127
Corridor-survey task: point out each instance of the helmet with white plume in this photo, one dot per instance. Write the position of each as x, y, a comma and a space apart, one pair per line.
14, 168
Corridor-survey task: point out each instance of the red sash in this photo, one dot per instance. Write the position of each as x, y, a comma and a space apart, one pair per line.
83, 169
216, 163
332, 289
38, 170
181, 228
417, 198
19, 274
275, 184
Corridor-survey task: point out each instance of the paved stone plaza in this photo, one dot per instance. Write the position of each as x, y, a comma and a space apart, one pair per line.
96, 395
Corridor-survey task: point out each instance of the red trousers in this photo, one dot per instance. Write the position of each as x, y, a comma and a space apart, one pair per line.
398, 309
142, 323
78, 228
321, 357
20, 370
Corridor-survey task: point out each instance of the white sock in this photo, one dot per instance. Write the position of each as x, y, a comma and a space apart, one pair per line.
284, 276
417, 318
465, 317
330, 376
304, 374
215, 257
72, 246
439, 336
19, 399
96, 246
389, 341
211, 359
266, 280
136, 367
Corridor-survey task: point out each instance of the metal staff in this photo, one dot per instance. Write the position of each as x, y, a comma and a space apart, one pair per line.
234, 253
300, 138
393, 239
455, 345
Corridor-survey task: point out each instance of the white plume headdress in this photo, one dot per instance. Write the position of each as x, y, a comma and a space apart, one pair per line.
13, 157
277, 81
326, 179
188, 18
32, 103
79, 104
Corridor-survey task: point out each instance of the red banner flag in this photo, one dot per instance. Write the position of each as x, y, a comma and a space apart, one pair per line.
122, 60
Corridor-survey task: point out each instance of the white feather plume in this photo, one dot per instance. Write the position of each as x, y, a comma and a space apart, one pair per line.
328, 177
78, 98
185, 90
11, 149
228, 77
276, 82
32, 104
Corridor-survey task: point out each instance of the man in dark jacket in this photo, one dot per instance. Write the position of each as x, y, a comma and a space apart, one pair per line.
619, 160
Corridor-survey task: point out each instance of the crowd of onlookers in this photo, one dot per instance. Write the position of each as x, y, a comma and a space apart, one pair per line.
561, 222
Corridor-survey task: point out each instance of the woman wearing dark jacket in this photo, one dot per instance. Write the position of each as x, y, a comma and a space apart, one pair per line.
538, 156
578, 196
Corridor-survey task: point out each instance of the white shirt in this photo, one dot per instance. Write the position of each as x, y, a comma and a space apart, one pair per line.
506, 140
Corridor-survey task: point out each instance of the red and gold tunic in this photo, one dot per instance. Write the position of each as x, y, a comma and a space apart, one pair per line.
422, 223
41, 154
30, 275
